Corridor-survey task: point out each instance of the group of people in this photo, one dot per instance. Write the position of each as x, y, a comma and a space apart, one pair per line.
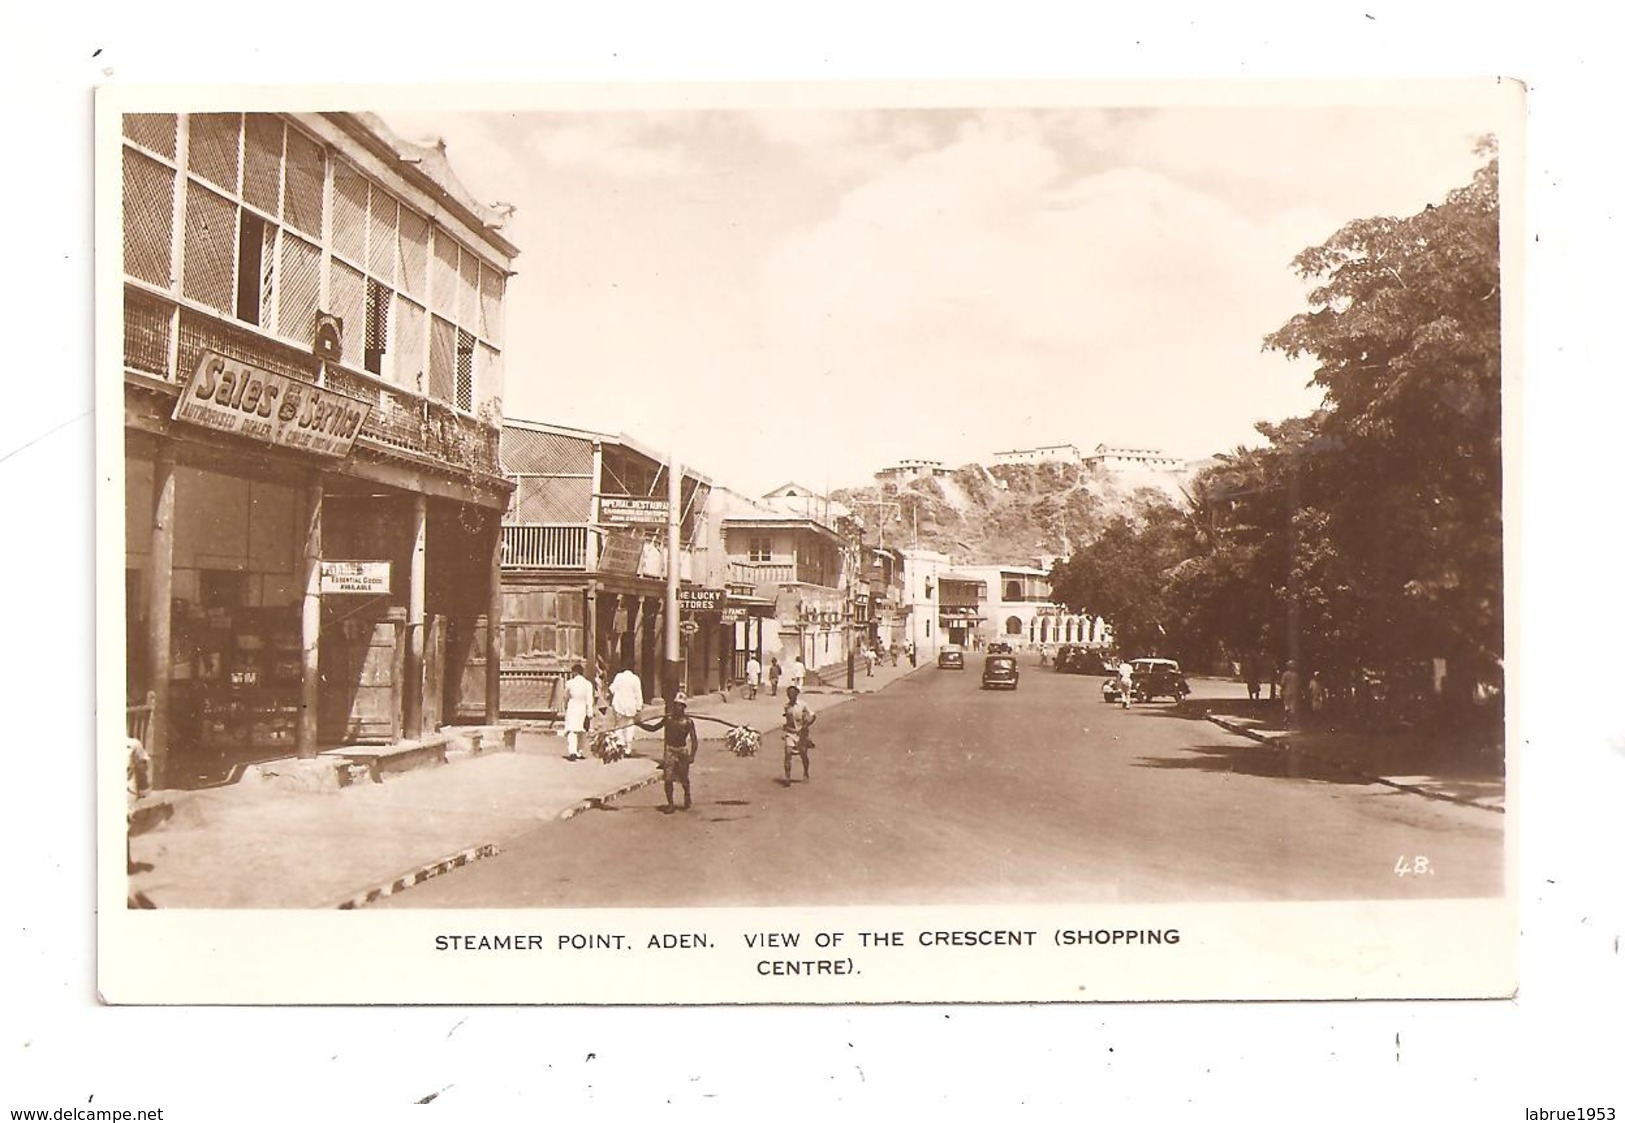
754, 676
1295, 693
680, 741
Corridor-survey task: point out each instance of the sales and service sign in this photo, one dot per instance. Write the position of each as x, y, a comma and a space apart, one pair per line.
234, 397
630, 510
368, 577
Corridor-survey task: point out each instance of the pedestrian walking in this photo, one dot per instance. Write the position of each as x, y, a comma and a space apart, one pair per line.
578, 696
798, 675
868, 662
753, 676
1254, 677
626, 700
682, 745
913, 654
1289, 692
798, 723
1317, 696
1125, 683
774, 673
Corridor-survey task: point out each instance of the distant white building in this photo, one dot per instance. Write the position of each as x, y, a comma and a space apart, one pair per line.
1060, 454
905, 470
1113, 458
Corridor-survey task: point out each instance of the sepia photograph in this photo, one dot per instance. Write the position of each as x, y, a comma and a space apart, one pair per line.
867, 536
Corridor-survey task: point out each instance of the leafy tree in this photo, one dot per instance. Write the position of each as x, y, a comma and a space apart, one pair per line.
1405, 329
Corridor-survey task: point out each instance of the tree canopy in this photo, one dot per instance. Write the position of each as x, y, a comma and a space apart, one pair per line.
1369, 533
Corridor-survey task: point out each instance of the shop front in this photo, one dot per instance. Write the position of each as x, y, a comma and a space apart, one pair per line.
309, 607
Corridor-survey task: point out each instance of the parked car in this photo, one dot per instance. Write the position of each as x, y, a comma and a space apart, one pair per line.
1153, 679
1000, 670
1077, 660
951, 657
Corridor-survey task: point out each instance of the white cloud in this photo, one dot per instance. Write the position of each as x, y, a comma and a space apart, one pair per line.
614, 145
1020, 301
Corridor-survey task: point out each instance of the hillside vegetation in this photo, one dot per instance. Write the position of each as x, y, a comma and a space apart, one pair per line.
1004, 515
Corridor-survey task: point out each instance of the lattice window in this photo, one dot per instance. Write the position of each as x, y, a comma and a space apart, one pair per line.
262, 162
465, 371
348, 294
409, 345
552, 500
524, 450
349, 212
149, 218
212, 147
442, 358
382, 237
302, 177
489, 375
468, 292
152, 130
301, 289
492, 284
443, 276
378, 300
208, 272
414, 254
146, 333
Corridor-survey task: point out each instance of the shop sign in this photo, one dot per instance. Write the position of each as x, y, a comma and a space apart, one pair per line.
701, 600
627, 510
620, 553
232, 397
733, 615
367, 577
689, 627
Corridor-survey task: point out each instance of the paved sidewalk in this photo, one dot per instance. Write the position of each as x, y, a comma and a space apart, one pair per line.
261, 846
1439, 768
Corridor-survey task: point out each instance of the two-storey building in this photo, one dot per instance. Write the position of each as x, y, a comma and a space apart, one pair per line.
783, 551
584, 563
312, 376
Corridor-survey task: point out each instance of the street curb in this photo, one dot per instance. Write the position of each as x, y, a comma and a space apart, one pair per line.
420, 875
1285, 745
592, 802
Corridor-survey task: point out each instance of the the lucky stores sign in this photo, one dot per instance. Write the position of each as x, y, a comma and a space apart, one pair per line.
233, 397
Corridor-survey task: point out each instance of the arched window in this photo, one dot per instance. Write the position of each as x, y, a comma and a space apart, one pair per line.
1043, 630
1012, 626
1012, 590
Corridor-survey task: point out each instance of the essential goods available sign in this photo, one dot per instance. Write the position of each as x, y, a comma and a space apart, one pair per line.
368, 577
233, 397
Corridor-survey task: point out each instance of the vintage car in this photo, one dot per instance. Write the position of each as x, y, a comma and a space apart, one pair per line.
1076, 659
1000, 670
951, 657
1000, 648
1153, 679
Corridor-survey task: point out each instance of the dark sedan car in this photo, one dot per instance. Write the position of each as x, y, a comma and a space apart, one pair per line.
1153, 678
951, 657
1000, 670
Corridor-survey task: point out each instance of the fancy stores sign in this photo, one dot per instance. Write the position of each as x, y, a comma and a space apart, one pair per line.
233, 397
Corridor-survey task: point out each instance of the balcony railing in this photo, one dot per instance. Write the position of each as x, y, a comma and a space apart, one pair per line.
762, 573
544, 546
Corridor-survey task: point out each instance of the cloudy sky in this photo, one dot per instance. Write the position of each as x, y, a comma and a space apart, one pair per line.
813, 293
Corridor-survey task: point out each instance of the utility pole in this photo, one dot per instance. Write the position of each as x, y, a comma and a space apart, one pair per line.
673, 670
852, 570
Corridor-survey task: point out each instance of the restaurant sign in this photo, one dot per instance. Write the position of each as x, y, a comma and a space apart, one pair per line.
232, 397
628, 510
368, 577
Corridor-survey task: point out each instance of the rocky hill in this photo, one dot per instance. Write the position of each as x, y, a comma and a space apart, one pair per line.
1005, 514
